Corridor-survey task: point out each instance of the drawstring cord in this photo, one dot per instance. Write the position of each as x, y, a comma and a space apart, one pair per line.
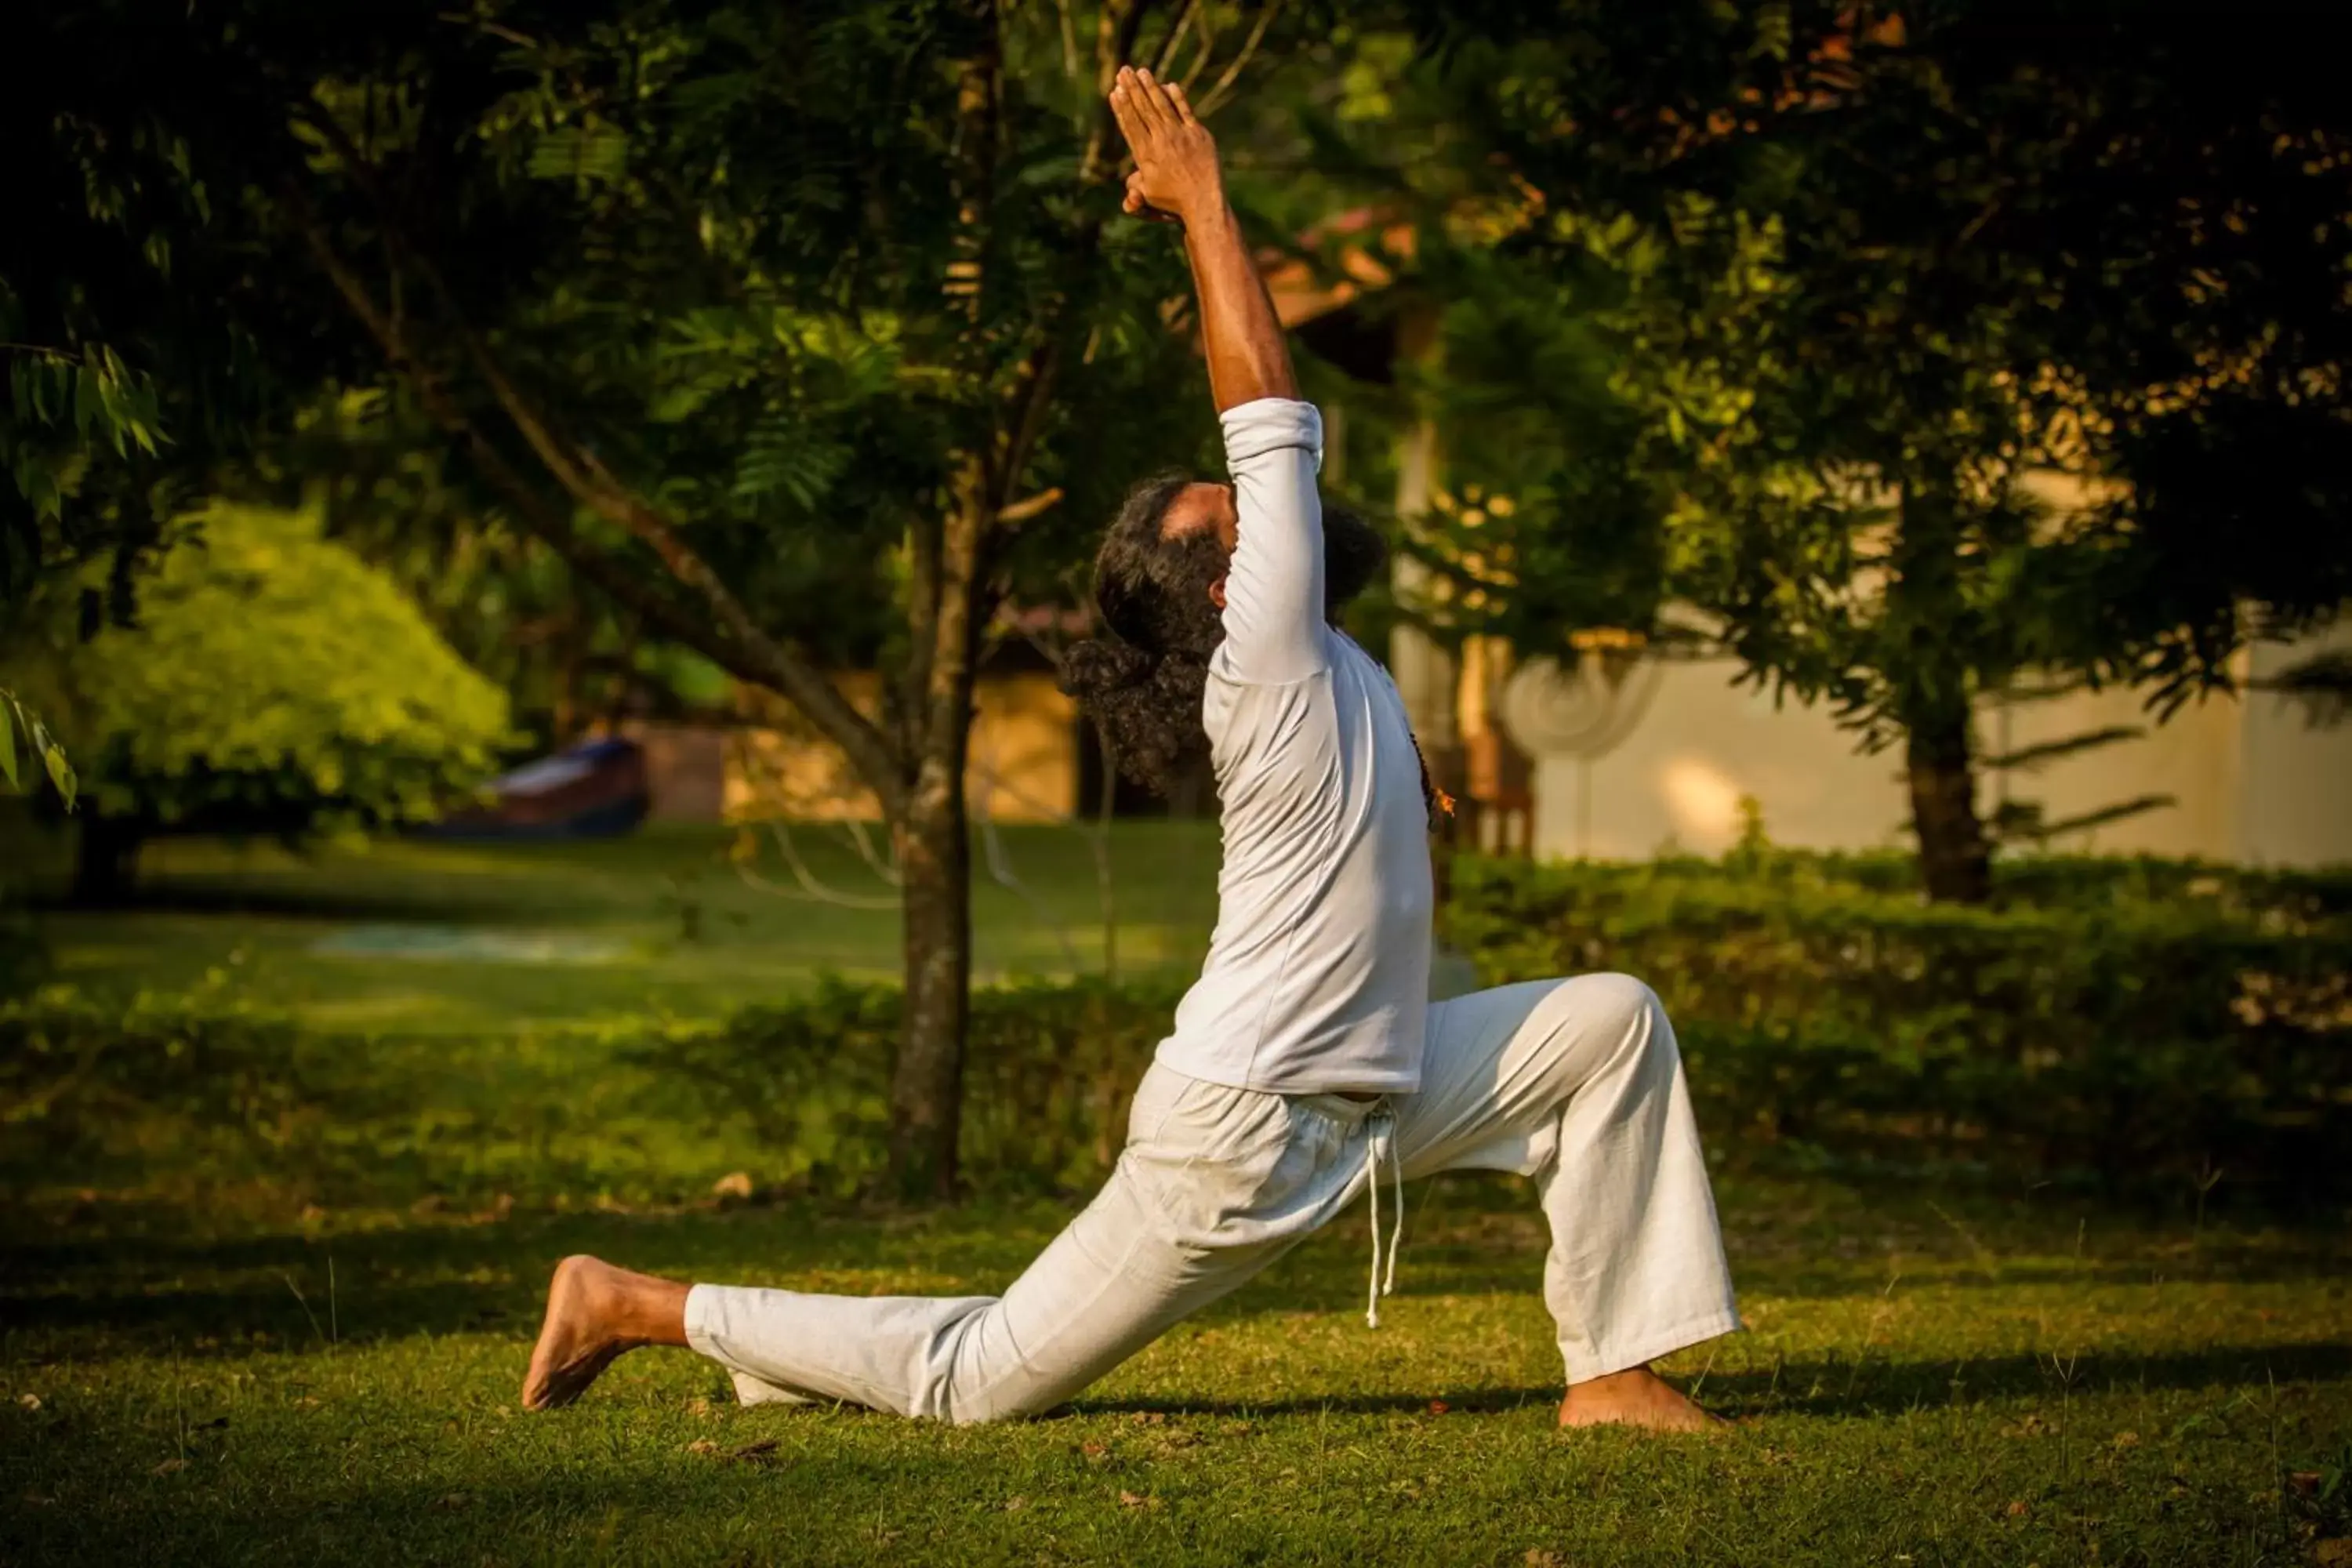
1384, 1283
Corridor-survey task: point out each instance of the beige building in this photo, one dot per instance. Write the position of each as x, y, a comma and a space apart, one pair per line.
1663, 754
1655, 753
1024, 766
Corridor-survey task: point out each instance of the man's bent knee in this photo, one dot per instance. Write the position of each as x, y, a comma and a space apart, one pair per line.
1624, 1000
1613, 1007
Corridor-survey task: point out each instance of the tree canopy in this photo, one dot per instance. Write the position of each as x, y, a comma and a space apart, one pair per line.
1971, 339
805, 335
272, 682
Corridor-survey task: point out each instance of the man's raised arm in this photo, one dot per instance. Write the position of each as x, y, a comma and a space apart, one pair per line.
1177, 176
1274, 589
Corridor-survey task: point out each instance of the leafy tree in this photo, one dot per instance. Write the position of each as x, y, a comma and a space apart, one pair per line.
1884, 270
272, 682
131, 375
565, 653
1510, 351
804, 334
1557, 525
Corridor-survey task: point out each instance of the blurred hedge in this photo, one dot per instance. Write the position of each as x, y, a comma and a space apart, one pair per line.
2140, 1024
100, 1092
201, 1100
1048, 1071
2144, 1027
195, 1095
2039, 882
23, 957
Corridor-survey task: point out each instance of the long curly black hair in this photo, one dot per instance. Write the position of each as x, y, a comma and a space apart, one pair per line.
1142, 683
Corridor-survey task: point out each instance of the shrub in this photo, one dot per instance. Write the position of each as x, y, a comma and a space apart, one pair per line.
1048, 1070
273, 682
98, 1091
2141, 1025
23, 958
242, 1113
2043, 881
2137, 1023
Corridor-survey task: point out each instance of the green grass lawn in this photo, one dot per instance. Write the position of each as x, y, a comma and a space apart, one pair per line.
203, 1364
660, 923
2001, 1384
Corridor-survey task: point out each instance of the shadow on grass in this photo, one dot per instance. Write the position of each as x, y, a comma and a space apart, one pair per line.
322, 901
155, 1287
607, 1516
1833, 1385
195, 1297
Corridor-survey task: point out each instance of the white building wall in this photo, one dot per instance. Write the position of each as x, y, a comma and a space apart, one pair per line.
2193, 757
1676, 780
2252, 780
2294, 801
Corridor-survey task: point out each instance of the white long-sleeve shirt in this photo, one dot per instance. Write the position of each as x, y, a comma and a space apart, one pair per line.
1318, 975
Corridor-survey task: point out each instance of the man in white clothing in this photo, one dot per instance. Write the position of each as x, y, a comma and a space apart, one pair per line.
1305, 1064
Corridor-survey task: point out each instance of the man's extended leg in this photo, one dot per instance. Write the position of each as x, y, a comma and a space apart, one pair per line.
1101, 1290
1212, 1188
1578, 1083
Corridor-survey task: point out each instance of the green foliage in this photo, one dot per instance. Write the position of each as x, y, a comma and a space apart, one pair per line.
129, 371
706, 251
1049, 1069
808, 335
207, 1099
1552, 523
23, 956
1879, 267
105, 1091
15, 764
2086, 885
2140, 1025
1956, 341
88, 404
273, 681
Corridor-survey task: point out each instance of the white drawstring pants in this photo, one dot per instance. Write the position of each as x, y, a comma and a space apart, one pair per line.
1576, 1083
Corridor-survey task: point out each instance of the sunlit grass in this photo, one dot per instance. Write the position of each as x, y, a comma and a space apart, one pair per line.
686, 936
203, 1364
2051, 1386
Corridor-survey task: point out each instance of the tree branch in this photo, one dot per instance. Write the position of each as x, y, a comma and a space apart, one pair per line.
583, 476
1205, 23
949, 665
979, 83
1216, 95
745, 651
1032, 394
1069, 40
1023, 510
1175, 39
1115, 34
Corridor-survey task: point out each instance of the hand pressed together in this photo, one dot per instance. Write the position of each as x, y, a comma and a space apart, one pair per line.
1176, 173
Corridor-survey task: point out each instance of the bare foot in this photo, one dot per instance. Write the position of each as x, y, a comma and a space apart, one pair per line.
1636, 1397
594, 1312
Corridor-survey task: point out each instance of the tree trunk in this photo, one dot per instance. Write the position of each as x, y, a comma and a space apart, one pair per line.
945, 614
106, 861
1954, 859
1928, 670
934, 855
